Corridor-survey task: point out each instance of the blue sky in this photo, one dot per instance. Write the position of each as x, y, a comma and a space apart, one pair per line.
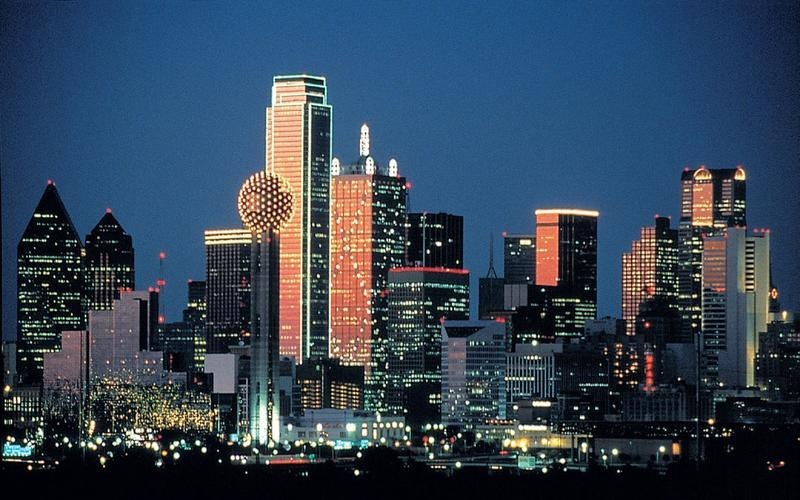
493, 110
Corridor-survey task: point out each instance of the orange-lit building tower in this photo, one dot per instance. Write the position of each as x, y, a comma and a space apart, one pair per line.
298, 148
649, 271
566, 268
368, 213
711, 200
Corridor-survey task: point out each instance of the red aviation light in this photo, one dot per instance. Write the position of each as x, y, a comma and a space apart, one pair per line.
162, 255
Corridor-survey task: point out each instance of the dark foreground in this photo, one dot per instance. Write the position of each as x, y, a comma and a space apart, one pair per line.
395, 480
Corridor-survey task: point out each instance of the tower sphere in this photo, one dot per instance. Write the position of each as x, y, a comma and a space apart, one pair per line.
265, 202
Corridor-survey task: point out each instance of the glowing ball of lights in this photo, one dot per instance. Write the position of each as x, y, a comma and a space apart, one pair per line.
265, 202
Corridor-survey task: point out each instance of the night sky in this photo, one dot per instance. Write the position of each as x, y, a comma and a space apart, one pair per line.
157, 111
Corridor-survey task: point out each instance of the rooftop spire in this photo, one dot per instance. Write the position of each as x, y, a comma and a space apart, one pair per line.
491, 273
363, 144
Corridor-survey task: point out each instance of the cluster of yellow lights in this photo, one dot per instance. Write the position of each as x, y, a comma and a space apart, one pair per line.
265, 202
122, 405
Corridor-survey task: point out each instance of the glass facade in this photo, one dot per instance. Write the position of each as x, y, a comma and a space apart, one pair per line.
519, 258
227, 288
473, 372
435, 240
711, 200
649, 271
566, 270
368, 213
419, 300
298, 138
109, 263
50, 284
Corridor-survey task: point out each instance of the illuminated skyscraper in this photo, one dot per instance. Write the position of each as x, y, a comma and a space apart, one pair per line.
419, 300
109, 263
227, 288
711, 200
649, 271
735, 305
519, 258
435, 240
50, 283
368, 204
566, 268
298, 140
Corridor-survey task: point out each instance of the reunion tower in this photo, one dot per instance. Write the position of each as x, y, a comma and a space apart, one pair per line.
265, 206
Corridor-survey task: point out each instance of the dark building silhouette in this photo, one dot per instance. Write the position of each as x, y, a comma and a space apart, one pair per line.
519, 258
184, 342
435, 240
50, 283
109, 263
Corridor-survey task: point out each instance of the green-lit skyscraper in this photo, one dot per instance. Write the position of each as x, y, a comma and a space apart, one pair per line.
50, 277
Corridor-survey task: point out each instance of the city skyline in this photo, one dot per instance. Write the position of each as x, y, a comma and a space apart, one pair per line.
218, 294
152, 185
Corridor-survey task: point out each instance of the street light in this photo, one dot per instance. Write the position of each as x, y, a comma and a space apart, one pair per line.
614, 453
661, 450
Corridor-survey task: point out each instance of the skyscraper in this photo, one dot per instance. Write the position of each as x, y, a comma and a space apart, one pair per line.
435, 240
298, 140
420, 299
368, 204
649, 271
50, 283
519, 258
566, 252
227, 288
566, 268
735, 305
473, 372
184, 342
711, 200
109, 263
